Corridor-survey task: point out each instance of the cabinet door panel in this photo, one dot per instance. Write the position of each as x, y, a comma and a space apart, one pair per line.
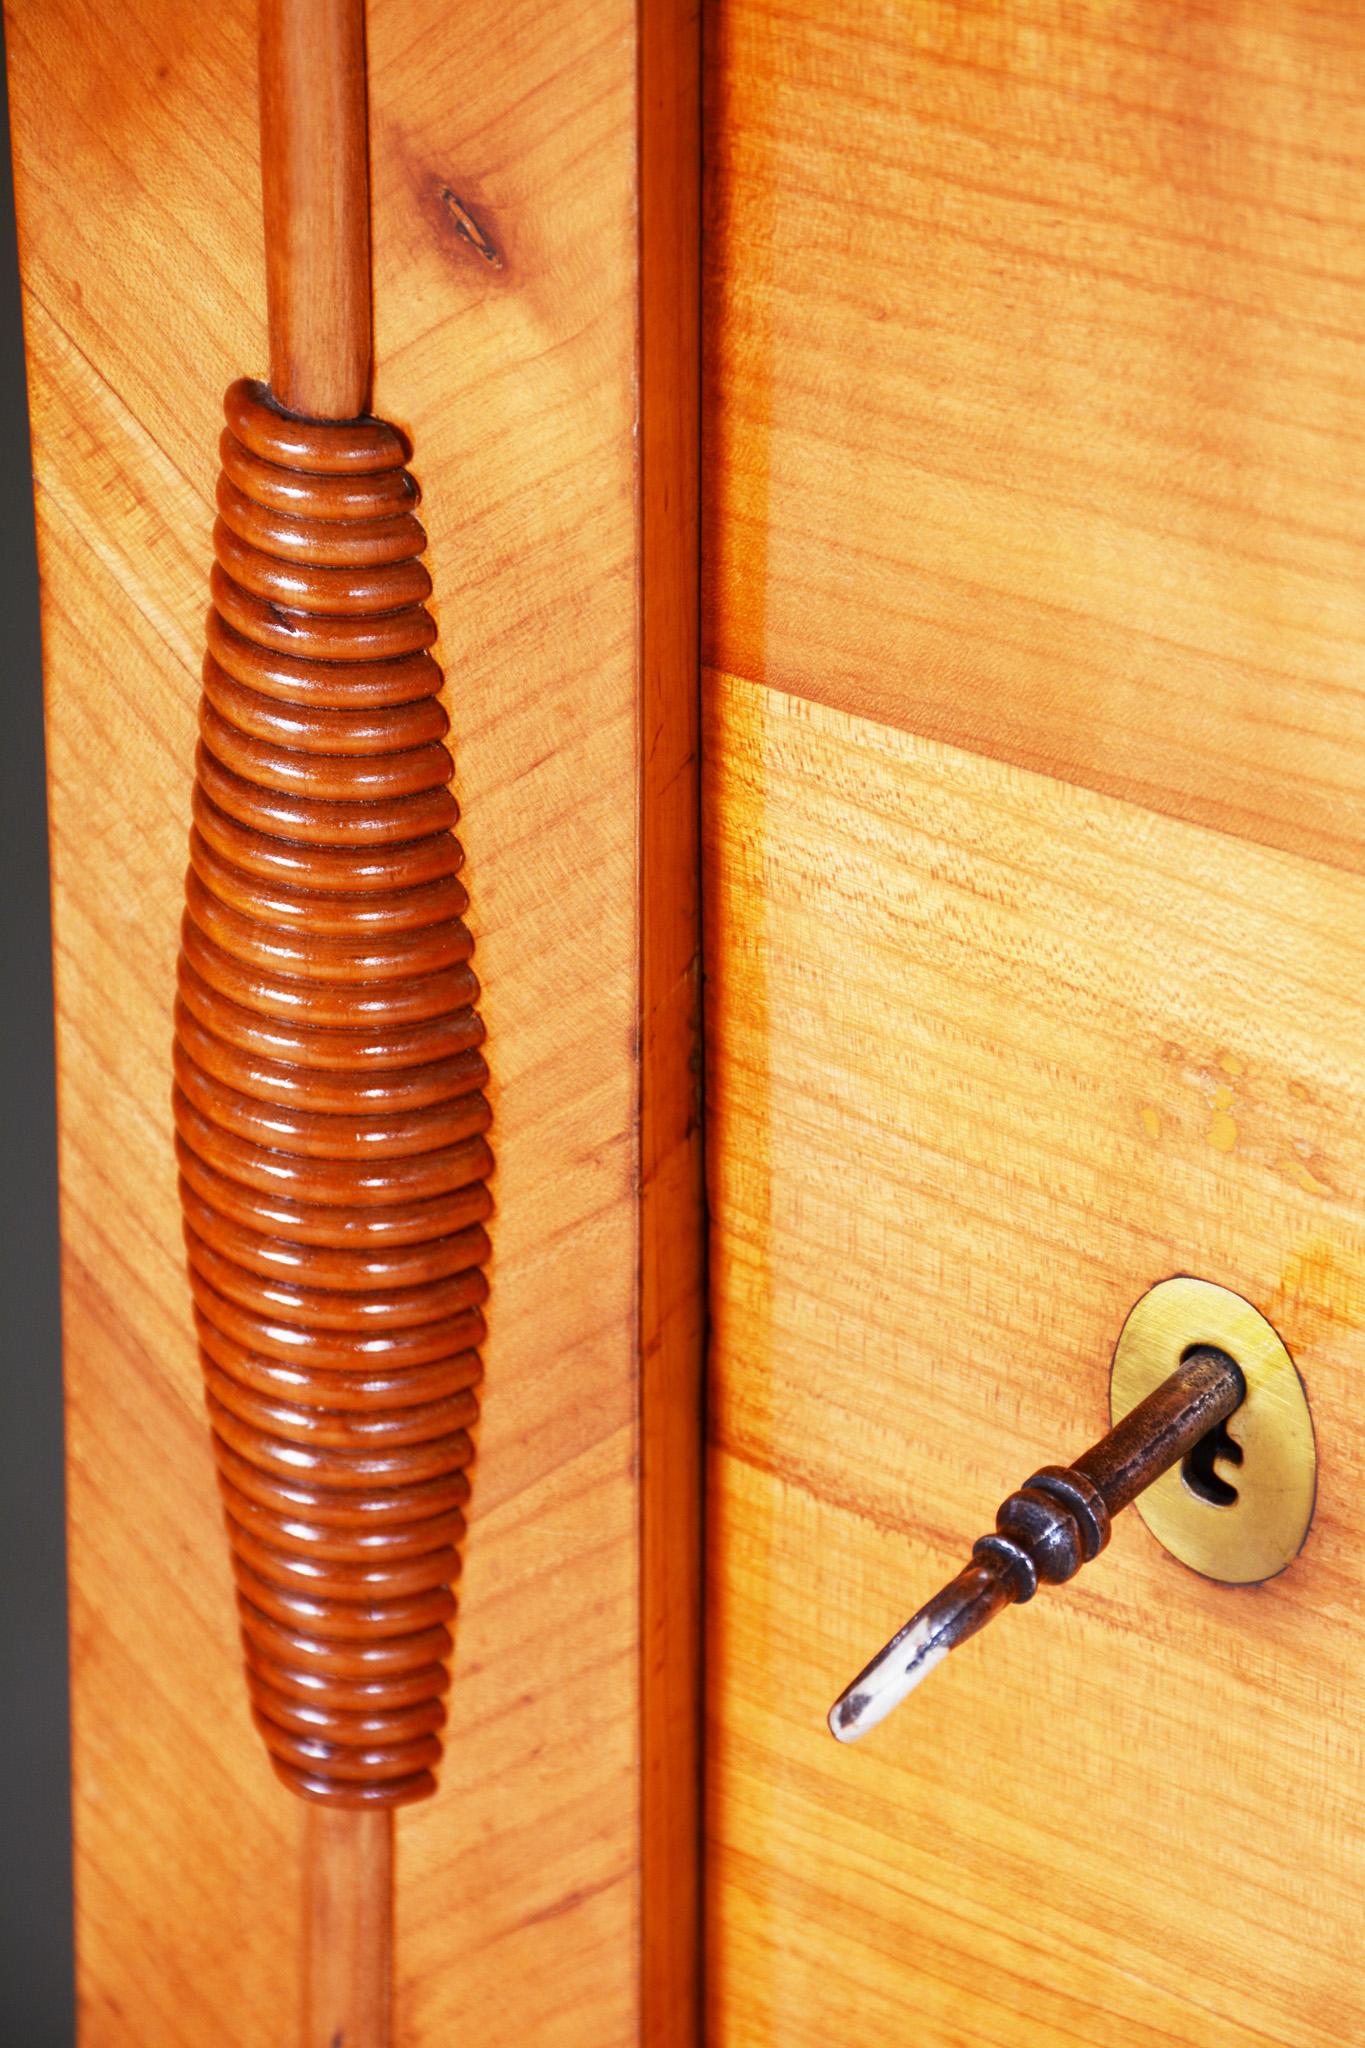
547, 375
1035, 772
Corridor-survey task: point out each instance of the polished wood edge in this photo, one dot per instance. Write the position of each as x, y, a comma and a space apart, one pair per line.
672, 1233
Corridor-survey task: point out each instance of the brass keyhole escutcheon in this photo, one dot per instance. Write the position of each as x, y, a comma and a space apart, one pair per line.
1262, 1528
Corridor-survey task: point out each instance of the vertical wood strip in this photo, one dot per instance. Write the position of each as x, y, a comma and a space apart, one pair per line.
672, 1290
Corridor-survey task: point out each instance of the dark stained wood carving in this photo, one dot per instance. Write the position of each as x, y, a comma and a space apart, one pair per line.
329, 1102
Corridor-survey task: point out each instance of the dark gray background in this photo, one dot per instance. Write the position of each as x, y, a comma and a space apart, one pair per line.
36, 1994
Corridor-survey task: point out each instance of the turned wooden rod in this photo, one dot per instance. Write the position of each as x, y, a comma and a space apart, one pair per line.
315, 183
329, 1104
315, 188
348, 1927
316, 198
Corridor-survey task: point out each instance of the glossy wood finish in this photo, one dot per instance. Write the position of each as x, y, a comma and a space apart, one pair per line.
1037, 775
521, 1906
347, 1932
330, 1112
316, 195
343, 1488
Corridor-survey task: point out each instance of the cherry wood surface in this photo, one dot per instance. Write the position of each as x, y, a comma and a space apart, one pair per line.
989, 1055
507, 159
1040, 331
1035, 783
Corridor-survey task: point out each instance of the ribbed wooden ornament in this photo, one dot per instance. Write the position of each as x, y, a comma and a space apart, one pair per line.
329, 1103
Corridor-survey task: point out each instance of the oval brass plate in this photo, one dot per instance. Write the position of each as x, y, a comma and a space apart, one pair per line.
1263, 1530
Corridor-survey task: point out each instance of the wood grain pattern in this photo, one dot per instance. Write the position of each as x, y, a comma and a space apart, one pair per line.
1041, 335
988, 1054
507, 291
1037, 793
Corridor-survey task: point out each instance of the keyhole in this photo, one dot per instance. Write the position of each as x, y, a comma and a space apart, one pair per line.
1198, 1467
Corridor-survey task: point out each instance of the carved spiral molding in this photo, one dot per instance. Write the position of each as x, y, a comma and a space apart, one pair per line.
329, 1103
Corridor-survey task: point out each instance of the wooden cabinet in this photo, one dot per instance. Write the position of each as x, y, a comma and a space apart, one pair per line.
1016, 435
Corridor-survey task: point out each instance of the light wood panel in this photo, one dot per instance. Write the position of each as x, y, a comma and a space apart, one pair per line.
989, 1054
1036, 769
507, 171
1036, 346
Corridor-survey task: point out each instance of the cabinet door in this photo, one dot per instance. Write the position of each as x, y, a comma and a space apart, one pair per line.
1035, 811
534, 265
